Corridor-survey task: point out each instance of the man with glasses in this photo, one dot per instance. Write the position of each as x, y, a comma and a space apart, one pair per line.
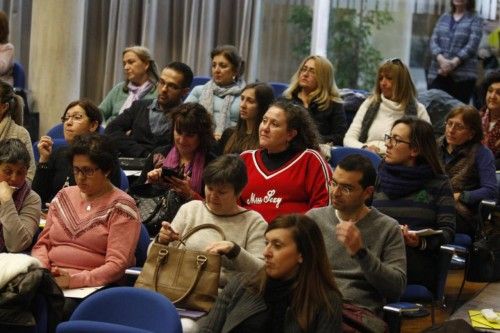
365, 247
146, 124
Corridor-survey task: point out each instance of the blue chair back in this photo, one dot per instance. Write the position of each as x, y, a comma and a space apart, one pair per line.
141, 251
19, 75
56, 132
339, 153
199, 81
278, 88
124, 183
121, 308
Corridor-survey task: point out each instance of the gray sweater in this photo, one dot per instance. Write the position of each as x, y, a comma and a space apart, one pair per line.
378, 276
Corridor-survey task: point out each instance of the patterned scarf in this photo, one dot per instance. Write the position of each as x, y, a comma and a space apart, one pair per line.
228, 94
399, 181
491, 136
18, 197
195, 168
135, 93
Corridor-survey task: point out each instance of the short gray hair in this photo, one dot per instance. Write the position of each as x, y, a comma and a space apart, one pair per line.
14, 151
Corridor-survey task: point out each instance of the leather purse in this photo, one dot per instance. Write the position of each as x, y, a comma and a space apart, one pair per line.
189, 278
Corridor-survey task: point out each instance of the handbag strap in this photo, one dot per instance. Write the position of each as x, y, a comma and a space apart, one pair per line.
201, 261
199, 227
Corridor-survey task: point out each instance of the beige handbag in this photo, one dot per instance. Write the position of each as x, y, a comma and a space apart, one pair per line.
190, 279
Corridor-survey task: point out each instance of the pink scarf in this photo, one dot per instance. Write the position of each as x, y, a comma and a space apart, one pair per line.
18, 197
135, 93
195, 167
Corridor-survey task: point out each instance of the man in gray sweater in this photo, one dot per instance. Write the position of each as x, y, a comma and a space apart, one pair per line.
365, 247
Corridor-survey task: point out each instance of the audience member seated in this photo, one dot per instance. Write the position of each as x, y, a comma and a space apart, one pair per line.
364, 246
313, 86
393, 97
294, 292
220, 95
244, 229
11, 123
255, 100
454, 44
146, 124
6, 50
287, 174
469, 164
92, 228
191, 151
54, 170
413, 188
491, 114
19, 205
141, 77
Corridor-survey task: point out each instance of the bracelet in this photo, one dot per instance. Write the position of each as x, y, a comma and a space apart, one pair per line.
43, 165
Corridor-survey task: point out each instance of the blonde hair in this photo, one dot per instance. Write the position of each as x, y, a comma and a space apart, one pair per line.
326, 91
403, 89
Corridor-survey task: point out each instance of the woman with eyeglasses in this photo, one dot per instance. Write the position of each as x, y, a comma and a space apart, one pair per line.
469, 164
220, 95
53, 171
413, 189
313, 86
141, 77
454, 44
394, 96
92, 228
11, 121
19, 204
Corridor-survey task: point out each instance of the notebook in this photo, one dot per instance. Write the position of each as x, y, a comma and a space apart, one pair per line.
477, 320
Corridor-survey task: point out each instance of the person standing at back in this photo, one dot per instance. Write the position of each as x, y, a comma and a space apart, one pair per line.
6, 50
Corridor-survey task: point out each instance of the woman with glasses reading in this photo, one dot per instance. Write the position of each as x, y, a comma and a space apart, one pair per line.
53, 171
469, 164
413, 189
92, 228
394, 96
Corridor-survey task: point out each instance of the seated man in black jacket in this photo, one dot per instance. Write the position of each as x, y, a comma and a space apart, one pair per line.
146, 124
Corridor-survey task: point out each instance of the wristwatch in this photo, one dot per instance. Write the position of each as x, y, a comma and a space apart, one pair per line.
361, 254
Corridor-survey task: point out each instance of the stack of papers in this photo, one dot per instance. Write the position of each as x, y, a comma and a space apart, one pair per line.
477, 320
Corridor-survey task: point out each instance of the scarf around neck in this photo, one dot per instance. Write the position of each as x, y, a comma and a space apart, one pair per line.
135, 93
399, 181
228, 94
195, 168
18, 197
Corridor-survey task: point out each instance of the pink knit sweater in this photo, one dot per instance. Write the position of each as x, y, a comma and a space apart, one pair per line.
94, 246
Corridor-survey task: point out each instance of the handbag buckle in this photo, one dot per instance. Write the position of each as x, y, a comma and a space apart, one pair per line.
200, 260
162, 255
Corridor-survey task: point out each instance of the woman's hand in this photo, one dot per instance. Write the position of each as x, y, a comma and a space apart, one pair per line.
154, 176
167, 234
45, 148
61, 276
222, 247
181, 186
410, 238
5, 192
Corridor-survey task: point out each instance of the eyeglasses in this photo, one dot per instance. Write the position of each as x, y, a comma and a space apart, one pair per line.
75, 117
457, 126
85, 171
393, 141
395, 61
344, 189
308, 70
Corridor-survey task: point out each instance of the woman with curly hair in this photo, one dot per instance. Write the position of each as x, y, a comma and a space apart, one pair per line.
191, 151
394, 96
254, 102
313, 86
287, 174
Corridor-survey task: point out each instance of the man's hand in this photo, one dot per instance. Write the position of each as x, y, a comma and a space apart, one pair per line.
350, 236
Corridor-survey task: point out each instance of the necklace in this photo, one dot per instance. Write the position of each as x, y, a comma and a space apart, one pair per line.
89, 202
357, 217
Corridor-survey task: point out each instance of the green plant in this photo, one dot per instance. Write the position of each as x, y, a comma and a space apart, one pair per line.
349, 46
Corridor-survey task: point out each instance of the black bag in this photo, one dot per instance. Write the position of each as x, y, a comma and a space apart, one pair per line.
484, 259
155, 205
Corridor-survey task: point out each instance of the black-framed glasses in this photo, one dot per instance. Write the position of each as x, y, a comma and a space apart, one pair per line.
344, 189
85, 171
75, 117
393, 141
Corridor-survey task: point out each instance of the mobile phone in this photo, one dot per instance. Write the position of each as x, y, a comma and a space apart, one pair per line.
168, 172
